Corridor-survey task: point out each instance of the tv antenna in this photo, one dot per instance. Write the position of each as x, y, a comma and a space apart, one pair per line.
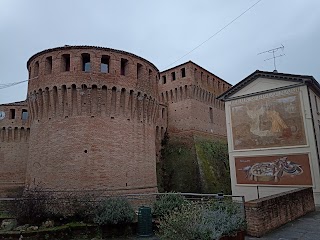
273, 55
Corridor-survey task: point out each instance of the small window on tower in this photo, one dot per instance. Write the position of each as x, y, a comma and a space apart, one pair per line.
211, 114
139, 71
65, 63
24, 114
104, 66
164, 79
29, 72
12, 114
86, 65
173, 75
124, 63
36, 69
48, 65
183, 72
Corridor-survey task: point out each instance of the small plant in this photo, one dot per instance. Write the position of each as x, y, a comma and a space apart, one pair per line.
200, 221
114, 211
168, 203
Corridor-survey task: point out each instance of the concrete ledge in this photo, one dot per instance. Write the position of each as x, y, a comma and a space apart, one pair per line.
268, 213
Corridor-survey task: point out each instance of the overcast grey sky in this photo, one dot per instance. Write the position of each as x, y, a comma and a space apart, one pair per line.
163, 31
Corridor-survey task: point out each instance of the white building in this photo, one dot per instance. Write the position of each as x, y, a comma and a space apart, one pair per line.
273, 128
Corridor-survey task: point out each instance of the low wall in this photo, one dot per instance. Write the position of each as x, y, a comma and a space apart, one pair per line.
268, 213
11, 190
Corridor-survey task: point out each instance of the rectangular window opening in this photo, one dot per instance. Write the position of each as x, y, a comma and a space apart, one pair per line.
65, 63
124, 63
316, 102
173, 76
104, 66
150, 74
24, 114
139, 70
86, 65
29, 72
211, 114
164, 79
183, 72
36, 69
12, 114
48, 65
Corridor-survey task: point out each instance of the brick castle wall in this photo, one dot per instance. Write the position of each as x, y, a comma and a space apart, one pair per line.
14, 136
92, 129
98, 116
190, 93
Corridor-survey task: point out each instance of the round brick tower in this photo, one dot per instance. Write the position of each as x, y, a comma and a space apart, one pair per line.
93, 113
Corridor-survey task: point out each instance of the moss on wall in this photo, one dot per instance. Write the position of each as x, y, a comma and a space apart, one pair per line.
178, 168
213, 162
194, 164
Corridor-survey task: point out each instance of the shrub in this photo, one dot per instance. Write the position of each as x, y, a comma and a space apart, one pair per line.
167, 203
114, 211
220, 223
37, 206
83, 209
71, 207
32, 207
179, 225
200, 221
226, 205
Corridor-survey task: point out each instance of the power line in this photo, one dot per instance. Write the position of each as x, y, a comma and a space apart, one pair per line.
6, 85
2, 86
216, 33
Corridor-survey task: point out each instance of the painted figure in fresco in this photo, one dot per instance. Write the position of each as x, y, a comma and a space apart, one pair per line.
278, 125
255, 115
272, 171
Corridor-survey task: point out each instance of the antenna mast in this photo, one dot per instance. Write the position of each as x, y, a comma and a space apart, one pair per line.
273, 55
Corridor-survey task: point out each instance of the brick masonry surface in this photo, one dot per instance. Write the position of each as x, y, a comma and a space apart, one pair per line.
97, 117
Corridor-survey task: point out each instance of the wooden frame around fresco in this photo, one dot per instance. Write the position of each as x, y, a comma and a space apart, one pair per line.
291, 176
293, 92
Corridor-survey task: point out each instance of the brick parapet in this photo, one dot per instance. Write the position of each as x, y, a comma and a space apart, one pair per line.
266, 214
